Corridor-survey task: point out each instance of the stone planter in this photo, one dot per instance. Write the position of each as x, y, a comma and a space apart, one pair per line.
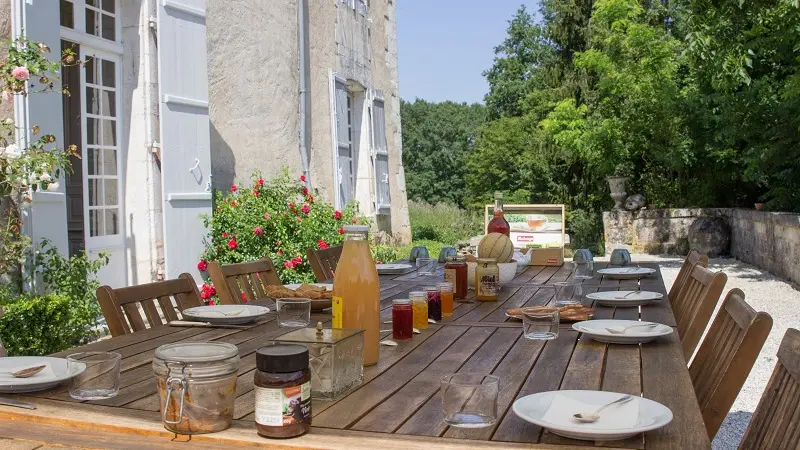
617, 186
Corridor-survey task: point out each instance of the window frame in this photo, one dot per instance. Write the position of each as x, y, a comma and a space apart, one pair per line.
78, 32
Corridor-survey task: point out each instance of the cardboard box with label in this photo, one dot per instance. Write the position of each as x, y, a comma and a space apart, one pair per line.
538, 230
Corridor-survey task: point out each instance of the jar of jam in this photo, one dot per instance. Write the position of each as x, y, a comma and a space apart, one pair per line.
487, 277
434, 303
283, 391
419, 305
446, 296
402, 318
455, 273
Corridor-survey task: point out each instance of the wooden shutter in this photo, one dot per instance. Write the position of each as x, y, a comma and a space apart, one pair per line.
185, 141
342, 137
381, 152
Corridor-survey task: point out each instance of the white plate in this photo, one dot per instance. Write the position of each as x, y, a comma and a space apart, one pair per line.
624, 298
596, 329
327, 286
39, 382
388, 269
225, 314
626, 273
532, 408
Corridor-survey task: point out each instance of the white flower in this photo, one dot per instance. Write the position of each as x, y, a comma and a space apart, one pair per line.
45, 177
8, 120
52, 187
32, 179
12, 151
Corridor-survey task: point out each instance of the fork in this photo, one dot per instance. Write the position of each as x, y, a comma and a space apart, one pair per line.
624, 330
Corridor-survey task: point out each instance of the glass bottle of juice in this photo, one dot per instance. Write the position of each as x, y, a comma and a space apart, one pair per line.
498, 224
356, 293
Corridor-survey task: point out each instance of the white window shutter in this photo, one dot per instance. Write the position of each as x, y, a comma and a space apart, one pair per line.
185, 140
343, 151
381, 152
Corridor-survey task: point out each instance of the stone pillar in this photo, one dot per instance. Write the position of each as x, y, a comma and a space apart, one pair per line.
618, 230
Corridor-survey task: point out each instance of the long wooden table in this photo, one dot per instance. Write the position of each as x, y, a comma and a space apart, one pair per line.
398, 405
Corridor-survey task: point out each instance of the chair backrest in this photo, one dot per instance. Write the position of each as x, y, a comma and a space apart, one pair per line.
776, 422
239, 283
692, 258
695, 304
123, 307
323, 262
726, 356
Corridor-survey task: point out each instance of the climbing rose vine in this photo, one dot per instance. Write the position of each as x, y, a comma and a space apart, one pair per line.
279, 219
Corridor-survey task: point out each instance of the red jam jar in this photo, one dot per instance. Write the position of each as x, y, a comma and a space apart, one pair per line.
402, 319
434, 302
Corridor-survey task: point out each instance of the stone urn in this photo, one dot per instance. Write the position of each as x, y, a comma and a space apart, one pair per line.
711, 236
617, 186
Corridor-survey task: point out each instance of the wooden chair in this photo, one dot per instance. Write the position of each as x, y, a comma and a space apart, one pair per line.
726, 356
237, 283
695, 304
776, 422
323, 262
123, 307
692, 258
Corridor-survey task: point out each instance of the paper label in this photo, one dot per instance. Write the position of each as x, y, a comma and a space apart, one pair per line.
282, 407
450, 276
487, 286
337, 312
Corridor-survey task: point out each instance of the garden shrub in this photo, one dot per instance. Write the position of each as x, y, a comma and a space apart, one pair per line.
383, 254
585, 231
278, 219
444, 223
38, 325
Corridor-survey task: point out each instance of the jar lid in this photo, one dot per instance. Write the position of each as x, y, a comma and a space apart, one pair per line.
446, 285
282, 358
401, 301
487, 260
356, 228
196, 352
431, 288
457, 259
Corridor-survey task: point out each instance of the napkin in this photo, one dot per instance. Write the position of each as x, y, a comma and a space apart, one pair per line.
614, 417
45, 373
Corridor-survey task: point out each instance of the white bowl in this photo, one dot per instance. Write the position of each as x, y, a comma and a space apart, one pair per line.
507, 272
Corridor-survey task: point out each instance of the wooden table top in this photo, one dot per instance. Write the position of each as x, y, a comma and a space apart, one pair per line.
398, 404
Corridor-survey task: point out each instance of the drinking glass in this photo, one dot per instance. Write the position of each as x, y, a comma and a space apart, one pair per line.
293, 312
584, 270
540, 323
568, 292
469, 400
96, 375
426, 266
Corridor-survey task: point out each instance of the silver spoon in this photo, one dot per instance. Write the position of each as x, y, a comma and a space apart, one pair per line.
622, 331
593, 417
26, 373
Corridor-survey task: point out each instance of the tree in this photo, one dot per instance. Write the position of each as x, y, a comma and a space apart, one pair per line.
437, 139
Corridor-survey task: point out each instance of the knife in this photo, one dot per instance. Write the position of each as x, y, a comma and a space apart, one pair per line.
17, 403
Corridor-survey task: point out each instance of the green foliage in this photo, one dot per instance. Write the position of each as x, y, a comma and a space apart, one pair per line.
278, 219
437, 138
37, 325
383, 254
442, 223
434, 248
586, 231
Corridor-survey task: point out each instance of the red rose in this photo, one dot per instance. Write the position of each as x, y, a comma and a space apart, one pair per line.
233, 188
244, 297
212, 303
233, 204
267, 216
288, 264
355, 220
305, 191
291, 205
337, 215
258, 231
306, 209
378, 262
298, 260
212, 290
204, 294
310, 199
302, 178
232, 244
280, 252
322, 244
256, 193
260, 181
202, 266
340, 231
224, 234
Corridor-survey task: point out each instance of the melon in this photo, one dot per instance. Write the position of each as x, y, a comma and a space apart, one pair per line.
496, 246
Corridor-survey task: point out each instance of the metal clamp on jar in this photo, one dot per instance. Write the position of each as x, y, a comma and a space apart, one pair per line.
196, 385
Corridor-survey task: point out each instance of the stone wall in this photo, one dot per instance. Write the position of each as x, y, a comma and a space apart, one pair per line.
769, 240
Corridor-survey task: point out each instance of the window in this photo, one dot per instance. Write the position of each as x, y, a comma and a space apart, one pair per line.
67, 14
381, 152
101, 18
102, 146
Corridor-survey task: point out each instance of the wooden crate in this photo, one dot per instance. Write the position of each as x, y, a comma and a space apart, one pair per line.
551, 236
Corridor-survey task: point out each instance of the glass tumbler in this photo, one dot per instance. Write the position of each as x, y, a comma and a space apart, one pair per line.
293, 312
426, 266
568, 292
540, 323
584, 270
469, 400
96, 375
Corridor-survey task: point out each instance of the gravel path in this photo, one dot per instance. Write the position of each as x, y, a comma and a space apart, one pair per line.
764, 292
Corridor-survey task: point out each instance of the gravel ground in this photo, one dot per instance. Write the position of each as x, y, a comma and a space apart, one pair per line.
764, 292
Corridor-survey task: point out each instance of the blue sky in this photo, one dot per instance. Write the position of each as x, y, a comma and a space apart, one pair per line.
445, 45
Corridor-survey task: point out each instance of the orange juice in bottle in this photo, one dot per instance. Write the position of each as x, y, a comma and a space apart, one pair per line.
356, 293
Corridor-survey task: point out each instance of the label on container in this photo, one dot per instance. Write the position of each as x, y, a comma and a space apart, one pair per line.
450, 276
487, 286
337, 312
283, 406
